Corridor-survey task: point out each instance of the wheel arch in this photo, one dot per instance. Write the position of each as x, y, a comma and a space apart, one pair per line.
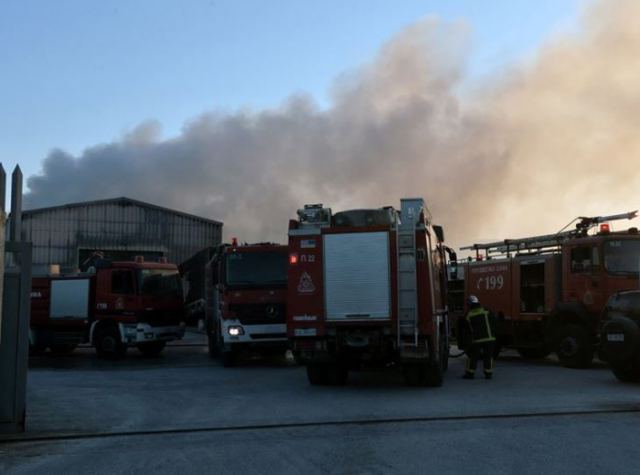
101, 324
566, 313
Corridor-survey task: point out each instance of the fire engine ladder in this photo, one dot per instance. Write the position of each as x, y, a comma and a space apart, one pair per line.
407, 277
546, 242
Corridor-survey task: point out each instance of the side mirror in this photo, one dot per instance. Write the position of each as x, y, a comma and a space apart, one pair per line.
439, 232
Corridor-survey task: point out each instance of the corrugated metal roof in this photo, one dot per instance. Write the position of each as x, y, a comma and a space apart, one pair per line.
122, 200
61, 234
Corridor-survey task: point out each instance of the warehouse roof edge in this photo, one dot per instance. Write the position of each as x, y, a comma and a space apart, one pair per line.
119, 200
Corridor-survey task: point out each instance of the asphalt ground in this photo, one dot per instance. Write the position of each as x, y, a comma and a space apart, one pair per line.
183, 413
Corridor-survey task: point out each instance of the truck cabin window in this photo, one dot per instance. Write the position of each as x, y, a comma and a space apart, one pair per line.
244, 269
122, 282
584, 259
622, 257
159, 282
532, 297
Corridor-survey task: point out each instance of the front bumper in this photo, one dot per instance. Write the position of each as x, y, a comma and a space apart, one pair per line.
134, 333
254, 335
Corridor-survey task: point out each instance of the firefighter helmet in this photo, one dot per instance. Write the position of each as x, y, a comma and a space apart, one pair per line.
473, 300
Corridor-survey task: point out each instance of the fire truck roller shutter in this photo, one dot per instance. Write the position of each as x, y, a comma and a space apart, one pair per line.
357, 276
70, 299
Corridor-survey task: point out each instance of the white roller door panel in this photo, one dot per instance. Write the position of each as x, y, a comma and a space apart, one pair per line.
70, 299
356, 276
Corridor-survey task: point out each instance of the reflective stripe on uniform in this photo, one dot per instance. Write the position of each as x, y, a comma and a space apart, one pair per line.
468, 367
485, 340
477, 312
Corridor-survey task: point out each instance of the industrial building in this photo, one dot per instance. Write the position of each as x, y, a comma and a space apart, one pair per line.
120, 228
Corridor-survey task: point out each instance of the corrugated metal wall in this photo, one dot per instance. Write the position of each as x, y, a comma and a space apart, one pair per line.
59, 233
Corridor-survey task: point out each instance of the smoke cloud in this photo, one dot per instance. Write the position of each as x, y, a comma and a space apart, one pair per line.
525, 152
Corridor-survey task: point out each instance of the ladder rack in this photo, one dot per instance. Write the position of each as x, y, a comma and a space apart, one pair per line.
545, 243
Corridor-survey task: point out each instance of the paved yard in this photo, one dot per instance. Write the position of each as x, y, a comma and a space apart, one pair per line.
183, 412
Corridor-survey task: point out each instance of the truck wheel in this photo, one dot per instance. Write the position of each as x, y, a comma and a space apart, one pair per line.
415, 374
37, 350
229, 358
629, 373
444, 353
327, 374
153, 348
533, 353
445, 361
337, 375
63, 349
620, 351
107, 342
573, 346
435, 375
317, 374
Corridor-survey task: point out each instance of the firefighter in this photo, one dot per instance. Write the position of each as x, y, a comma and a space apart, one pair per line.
480, 323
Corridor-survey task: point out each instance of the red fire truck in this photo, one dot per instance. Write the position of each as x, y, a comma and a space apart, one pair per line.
246, 293
113, 306
368, 288
549, 291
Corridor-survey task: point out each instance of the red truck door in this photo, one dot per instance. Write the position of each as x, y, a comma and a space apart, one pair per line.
583, 276
115, 291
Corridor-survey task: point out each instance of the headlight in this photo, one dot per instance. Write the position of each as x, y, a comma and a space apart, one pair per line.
236, 330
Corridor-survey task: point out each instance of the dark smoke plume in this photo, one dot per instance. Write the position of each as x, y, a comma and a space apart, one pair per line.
524, 153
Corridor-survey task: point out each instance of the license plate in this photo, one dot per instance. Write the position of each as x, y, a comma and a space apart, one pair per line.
615, 337
305, 332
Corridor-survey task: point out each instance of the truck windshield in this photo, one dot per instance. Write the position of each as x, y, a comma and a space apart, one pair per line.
159, 282
256, 269
622, 257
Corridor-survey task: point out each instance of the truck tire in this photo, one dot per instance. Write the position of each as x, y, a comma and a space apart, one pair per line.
573, 346
338, 374
619, 352
62, 349
444, 352
152, 348
317, 374
439, 363
416, 374
434, 375
107, 342
533, 353
228, 358
37, 350
629, 373
325, 374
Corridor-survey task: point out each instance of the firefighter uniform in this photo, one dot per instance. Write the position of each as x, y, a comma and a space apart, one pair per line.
481, 326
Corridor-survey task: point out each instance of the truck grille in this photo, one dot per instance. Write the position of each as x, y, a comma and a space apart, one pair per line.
253, 314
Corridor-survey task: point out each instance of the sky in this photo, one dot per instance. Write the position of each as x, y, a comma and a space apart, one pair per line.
76, 73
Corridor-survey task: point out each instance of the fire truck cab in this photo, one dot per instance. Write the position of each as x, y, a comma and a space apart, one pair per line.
549, 291
246, 300
367, 288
